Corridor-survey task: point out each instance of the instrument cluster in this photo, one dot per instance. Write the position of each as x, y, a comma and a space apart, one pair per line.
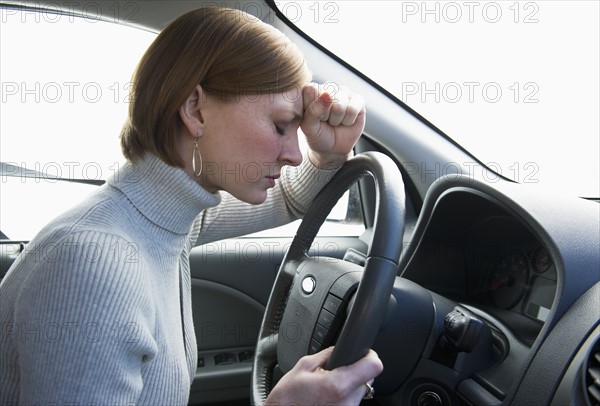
513, 272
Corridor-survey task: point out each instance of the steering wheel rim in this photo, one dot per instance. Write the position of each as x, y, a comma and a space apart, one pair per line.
368, 311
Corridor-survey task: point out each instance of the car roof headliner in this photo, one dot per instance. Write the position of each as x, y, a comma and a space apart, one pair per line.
149, 14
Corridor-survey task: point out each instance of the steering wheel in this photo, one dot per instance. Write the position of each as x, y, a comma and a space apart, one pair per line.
317, 301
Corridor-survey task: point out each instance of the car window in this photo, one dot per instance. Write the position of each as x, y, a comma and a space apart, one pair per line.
65, 83
344, 220
516, 83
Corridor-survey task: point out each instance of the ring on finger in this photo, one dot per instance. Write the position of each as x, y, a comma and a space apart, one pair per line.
370, 392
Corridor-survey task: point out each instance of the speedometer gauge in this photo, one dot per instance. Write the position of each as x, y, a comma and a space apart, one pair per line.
508, 280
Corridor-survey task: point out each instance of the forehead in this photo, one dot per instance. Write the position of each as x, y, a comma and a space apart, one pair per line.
288, 104
291, 101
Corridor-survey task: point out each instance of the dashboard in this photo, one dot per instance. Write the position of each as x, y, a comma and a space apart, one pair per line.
523, 264
477, 253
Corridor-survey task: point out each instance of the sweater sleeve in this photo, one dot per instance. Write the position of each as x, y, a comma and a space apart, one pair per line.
286, 202
83, 323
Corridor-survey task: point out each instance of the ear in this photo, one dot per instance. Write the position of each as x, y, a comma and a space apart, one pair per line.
191, 112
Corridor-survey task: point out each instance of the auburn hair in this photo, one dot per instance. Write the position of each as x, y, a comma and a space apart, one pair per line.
231, 54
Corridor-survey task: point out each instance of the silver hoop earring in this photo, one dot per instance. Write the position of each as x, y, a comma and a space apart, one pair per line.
194, 154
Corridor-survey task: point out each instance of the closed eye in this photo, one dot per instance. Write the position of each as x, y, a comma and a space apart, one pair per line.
279, 130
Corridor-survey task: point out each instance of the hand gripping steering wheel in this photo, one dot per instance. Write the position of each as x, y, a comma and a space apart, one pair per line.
320, 301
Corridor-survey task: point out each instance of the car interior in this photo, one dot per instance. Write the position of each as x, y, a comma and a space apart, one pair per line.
472, 288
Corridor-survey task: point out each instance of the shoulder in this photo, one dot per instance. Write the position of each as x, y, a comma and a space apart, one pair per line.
83, 260
105, 215
99, 236
90, 243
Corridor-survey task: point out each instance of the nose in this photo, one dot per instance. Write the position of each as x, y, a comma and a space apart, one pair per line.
290, 150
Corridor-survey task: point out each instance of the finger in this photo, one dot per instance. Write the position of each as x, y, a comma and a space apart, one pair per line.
356, 107
339, 108
315, 361
316, 111
310, 94
362, 371
350, 380
325, 117
359, 393
320, 108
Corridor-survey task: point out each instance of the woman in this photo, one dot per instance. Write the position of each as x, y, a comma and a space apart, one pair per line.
218, 100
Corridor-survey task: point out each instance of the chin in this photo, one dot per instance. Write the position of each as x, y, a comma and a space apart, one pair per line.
255, 197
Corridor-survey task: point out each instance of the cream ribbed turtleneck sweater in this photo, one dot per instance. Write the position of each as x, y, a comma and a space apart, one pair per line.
93, 311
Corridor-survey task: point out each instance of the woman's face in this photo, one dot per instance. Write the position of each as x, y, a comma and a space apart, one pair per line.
245, 142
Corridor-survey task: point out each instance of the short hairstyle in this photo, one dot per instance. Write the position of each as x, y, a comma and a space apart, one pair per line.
231, 54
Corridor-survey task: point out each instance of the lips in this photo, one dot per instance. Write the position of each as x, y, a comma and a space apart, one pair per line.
271, 179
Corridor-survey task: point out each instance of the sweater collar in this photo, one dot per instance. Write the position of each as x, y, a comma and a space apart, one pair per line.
164, 194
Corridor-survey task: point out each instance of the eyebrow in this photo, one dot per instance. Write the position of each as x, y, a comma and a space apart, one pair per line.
295, 115
298, 116
292, 113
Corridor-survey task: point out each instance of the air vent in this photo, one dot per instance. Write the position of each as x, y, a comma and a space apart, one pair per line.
592, 379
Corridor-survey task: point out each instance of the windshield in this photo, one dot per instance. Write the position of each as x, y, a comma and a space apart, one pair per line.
516, 83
